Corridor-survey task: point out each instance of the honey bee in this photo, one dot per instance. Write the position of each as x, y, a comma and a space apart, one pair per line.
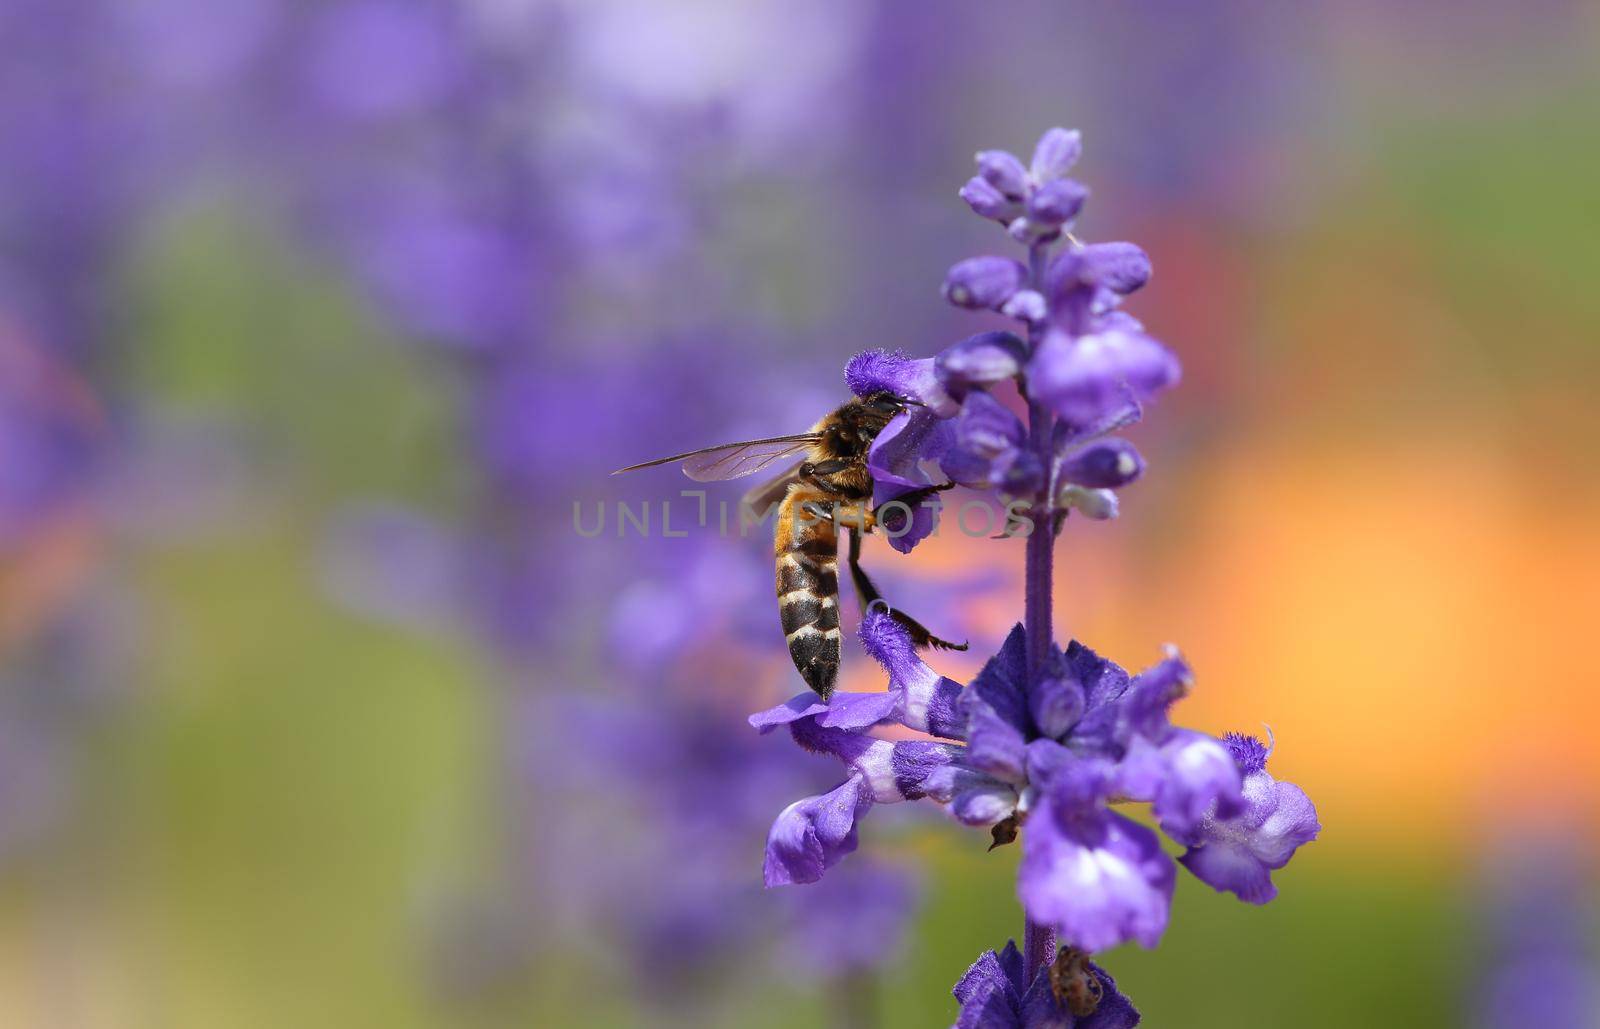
1074, 983
828, 489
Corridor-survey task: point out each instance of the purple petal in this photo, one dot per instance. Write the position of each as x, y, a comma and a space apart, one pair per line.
983, 802
905, 524
1185, 779
1026, 305
1084, 379
812, 835
872, 371
1057, 152
1011, 962
1151, 695
986, 426
1002, 682
841, 711
1101, 881
981, 195
1106, 464
1115, 1010
985, 976
1228, 868
988, 1007
1068, 435
1056, 203
994, 745
917, 769
895, 462
928, 701
1238, 855
971, 470
896, 457
1073, 785
1119, 267
1057, 701
889, 772
1004, 172
1103, 680
983, 282
980, 361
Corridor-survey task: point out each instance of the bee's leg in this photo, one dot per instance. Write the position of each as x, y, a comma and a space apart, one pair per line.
910, 500
868, 594
851, 513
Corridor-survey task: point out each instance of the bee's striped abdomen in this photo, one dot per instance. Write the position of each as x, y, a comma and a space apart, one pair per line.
808, 594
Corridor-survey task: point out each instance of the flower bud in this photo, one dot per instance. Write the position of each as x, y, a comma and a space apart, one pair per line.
1058, 202
1056, 701
1056, 153
982, 360
1004, 172
1099, 504
1120, 267
987, 427
1107, 464
1022, 477
986, 200
1025, 305
983, 282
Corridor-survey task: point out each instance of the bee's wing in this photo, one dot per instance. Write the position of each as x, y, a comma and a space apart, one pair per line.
732, 460
770, 492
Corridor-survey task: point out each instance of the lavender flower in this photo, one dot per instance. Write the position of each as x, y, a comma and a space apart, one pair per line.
1045, 743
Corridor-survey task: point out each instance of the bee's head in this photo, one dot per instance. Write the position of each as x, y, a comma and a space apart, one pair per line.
887, 404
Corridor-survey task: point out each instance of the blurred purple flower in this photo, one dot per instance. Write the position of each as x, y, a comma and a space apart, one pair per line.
1538, 963
372, 59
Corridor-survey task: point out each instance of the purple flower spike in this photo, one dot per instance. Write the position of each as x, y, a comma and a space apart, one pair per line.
1057, 152
1004, 172
1239, 854
997, 993
981, 195
811, 835
980, 362
1108, 464
984, 282
1043, 742
1057, 203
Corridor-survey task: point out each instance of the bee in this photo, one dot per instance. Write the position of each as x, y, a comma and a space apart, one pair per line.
829, 489
1074, 983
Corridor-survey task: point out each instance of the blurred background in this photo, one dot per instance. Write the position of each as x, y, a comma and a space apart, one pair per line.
317, 320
